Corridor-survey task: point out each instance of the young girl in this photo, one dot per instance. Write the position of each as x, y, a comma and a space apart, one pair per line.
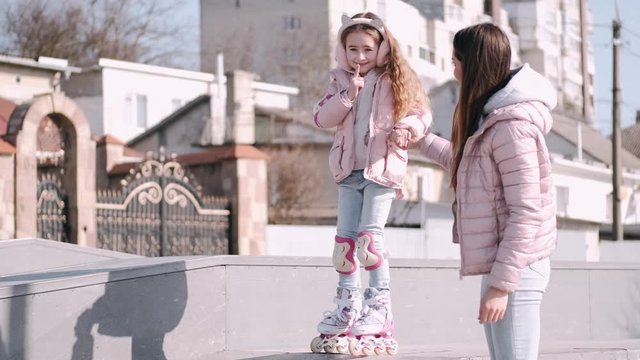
373, 94
504, 207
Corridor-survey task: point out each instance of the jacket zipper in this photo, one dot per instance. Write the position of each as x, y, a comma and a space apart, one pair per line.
374, 112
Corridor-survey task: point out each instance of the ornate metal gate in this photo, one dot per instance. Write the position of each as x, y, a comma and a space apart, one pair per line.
53, 209
158, 212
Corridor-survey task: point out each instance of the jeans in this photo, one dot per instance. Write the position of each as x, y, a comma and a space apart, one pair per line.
517, 335
364, 206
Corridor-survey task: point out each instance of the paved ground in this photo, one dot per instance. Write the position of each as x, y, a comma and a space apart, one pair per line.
592, 350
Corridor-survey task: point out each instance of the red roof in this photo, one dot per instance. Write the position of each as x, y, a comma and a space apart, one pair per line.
209, 156
6, 148
215, 154
6, 108
109, 139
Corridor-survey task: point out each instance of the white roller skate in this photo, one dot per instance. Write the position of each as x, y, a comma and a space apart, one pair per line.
335, 328
373, 331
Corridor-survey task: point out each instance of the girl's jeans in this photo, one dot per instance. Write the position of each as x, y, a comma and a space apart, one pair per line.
517, 335
364, 206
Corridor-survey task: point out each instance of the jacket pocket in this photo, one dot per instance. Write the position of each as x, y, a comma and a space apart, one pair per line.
335, 155
395, 165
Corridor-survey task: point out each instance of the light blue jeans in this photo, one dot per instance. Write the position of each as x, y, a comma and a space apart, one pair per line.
517, 335
364, 206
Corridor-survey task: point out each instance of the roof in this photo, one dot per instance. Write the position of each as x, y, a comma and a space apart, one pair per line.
593, 142
6, 108
631, 139
43, 62
152, 69
173, 117
209, 156
109, 139
6, 148
219, 153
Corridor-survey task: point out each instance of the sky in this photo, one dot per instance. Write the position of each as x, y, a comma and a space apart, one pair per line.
602, 12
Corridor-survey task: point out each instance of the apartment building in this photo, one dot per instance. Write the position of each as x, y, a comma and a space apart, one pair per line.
293, 42
554, 39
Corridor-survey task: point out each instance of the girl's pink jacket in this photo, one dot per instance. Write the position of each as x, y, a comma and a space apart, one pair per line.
505, 210
386, 163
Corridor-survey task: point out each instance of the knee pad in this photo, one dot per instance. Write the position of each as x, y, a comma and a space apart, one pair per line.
368, 255
343, 259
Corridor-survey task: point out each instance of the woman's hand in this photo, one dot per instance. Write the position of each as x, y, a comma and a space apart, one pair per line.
404, 137
357, 83
493, 305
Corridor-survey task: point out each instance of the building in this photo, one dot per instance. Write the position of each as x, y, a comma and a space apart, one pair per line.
46, 152
554, 40
124, 99
293, 42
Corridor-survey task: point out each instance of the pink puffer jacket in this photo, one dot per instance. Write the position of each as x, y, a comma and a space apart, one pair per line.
505, 211
386, 162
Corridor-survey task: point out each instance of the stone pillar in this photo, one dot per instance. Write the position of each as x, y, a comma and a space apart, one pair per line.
7, 192
80, 170
240, 127
245, 182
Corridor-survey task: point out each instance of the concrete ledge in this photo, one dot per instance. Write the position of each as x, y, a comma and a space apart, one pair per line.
89, 303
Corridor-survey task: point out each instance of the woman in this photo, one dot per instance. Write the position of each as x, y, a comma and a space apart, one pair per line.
504, 207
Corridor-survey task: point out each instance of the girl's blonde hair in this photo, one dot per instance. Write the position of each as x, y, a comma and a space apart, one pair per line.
408, 93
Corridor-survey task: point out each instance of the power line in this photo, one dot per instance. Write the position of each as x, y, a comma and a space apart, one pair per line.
632, 53
631, 32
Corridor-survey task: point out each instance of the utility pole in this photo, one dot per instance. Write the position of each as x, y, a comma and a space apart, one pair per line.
618, 232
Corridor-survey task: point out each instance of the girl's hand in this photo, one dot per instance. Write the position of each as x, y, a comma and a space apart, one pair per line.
357, 83
403, 138
493, 305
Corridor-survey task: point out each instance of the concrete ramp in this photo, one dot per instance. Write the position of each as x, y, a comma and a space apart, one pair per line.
61, 301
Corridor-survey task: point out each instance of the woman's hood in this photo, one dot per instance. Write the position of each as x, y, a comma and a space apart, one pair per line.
525, 85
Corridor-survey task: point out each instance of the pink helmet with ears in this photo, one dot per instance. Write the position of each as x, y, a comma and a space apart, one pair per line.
383, 49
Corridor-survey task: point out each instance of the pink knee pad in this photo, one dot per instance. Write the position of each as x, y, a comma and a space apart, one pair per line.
368, 255
343, 259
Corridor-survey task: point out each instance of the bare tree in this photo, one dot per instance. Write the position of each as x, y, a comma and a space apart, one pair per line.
84, 31
294, 183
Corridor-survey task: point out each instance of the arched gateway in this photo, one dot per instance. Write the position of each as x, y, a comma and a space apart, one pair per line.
54, 170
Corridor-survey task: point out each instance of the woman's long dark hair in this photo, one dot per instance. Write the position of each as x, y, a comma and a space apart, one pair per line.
485, 56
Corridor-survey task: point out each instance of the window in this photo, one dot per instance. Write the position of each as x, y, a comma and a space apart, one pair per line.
409, 51
291, 55
141, 110
292, 22
176, 104
562, 200
136, 109
422, 53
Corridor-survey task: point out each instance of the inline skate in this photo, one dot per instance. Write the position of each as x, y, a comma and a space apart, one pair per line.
372, 333
335, 328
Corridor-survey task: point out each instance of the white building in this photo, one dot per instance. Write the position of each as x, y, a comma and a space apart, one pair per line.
22, 79
554, 39
446, 17
124, 99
